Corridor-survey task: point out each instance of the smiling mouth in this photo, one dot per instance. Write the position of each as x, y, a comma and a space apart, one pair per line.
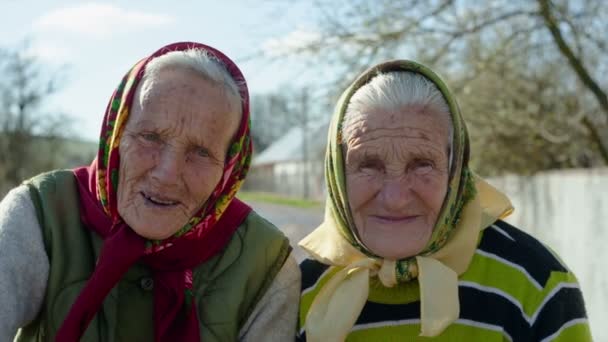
395, 219
158, 200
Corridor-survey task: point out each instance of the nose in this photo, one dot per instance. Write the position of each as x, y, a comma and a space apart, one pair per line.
396, 193
168, 167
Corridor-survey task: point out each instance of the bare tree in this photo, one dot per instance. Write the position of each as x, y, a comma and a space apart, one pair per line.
270, 118
273, 114
556, 16
471, 42
516, 124
29, 140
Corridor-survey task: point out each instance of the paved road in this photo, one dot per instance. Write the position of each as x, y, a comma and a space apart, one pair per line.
294, 222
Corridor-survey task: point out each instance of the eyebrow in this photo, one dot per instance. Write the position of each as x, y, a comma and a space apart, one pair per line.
430, 151
426, 151
147, 124
198, 142
141, 123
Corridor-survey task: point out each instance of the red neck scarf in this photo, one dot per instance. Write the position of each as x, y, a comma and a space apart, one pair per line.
171, 260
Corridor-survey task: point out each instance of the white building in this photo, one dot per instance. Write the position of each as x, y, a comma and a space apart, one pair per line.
289, 169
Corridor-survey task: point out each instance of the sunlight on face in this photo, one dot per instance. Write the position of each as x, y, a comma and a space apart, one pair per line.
396, 178
172, 151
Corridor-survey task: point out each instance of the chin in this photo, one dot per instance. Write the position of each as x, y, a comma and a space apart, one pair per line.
151, 233
398, 253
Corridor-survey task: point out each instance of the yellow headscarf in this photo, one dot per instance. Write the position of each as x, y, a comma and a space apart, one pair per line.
470, 206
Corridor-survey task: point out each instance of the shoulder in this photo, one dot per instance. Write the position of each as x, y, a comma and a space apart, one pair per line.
24, 265
312, 272
260, 236
255, 223
52, 180
17, 202
510, 246
18, 219
53, 192
237, 278
18, 214
314, 275
288, 275
532, 292
274, 316
257, 248
256, 241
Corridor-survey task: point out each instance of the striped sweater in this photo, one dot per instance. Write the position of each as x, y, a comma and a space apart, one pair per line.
515, 289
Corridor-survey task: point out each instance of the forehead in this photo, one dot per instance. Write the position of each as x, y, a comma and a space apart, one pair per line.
183, 100
174, 80
409, 122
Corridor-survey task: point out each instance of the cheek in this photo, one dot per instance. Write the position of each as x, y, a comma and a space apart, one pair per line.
135, 161
432, 191
201, 181
360, 189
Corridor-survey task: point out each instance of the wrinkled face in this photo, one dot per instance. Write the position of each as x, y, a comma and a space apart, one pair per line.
172, 151
396, 178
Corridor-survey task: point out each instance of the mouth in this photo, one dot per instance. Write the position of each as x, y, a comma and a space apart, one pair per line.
389, 219
158, 200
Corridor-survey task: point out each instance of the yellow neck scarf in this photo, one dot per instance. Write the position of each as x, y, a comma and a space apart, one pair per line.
337, 306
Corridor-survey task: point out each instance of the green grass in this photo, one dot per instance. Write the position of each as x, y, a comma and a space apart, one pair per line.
277, 199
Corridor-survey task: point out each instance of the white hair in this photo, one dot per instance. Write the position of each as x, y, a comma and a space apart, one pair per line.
392, 92
198, 60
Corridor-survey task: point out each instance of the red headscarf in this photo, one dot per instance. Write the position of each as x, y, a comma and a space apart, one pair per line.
171, 260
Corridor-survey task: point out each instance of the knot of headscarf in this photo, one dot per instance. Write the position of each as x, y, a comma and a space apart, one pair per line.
171, 260
469, 206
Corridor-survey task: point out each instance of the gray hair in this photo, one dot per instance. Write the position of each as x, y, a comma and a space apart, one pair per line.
393, 91
200, 61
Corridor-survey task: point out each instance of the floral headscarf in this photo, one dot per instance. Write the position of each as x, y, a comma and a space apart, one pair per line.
460, 185
172, 259
449, 250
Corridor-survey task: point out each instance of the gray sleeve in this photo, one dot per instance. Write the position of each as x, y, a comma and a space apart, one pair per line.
24, 265
275, 316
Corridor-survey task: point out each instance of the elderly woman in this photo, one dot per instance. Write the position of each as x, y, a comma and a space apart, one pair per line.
413, 244
149, 243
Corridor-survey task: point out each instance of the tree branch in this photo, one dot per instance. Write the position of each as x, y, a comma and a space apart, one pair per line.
595, 136
575, 63
580, 71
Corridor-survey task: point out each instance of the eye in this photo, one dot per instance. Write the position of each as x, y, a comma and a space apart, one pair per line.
150, 137
371, 166
422, 166
202, 152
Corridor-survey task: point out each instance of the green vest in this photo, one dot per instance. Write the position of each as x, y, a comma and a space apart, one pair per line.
227, 286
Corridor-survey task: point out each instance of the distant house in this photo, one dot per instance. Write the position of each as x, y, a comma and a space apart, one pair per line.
286, 168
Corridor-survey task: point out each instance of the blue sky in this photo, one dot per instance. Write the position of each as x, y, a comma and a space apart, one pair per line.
99, 41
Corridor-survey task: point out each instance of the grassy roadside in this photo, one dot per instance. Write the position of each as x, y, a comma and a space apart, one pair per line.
278, 199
